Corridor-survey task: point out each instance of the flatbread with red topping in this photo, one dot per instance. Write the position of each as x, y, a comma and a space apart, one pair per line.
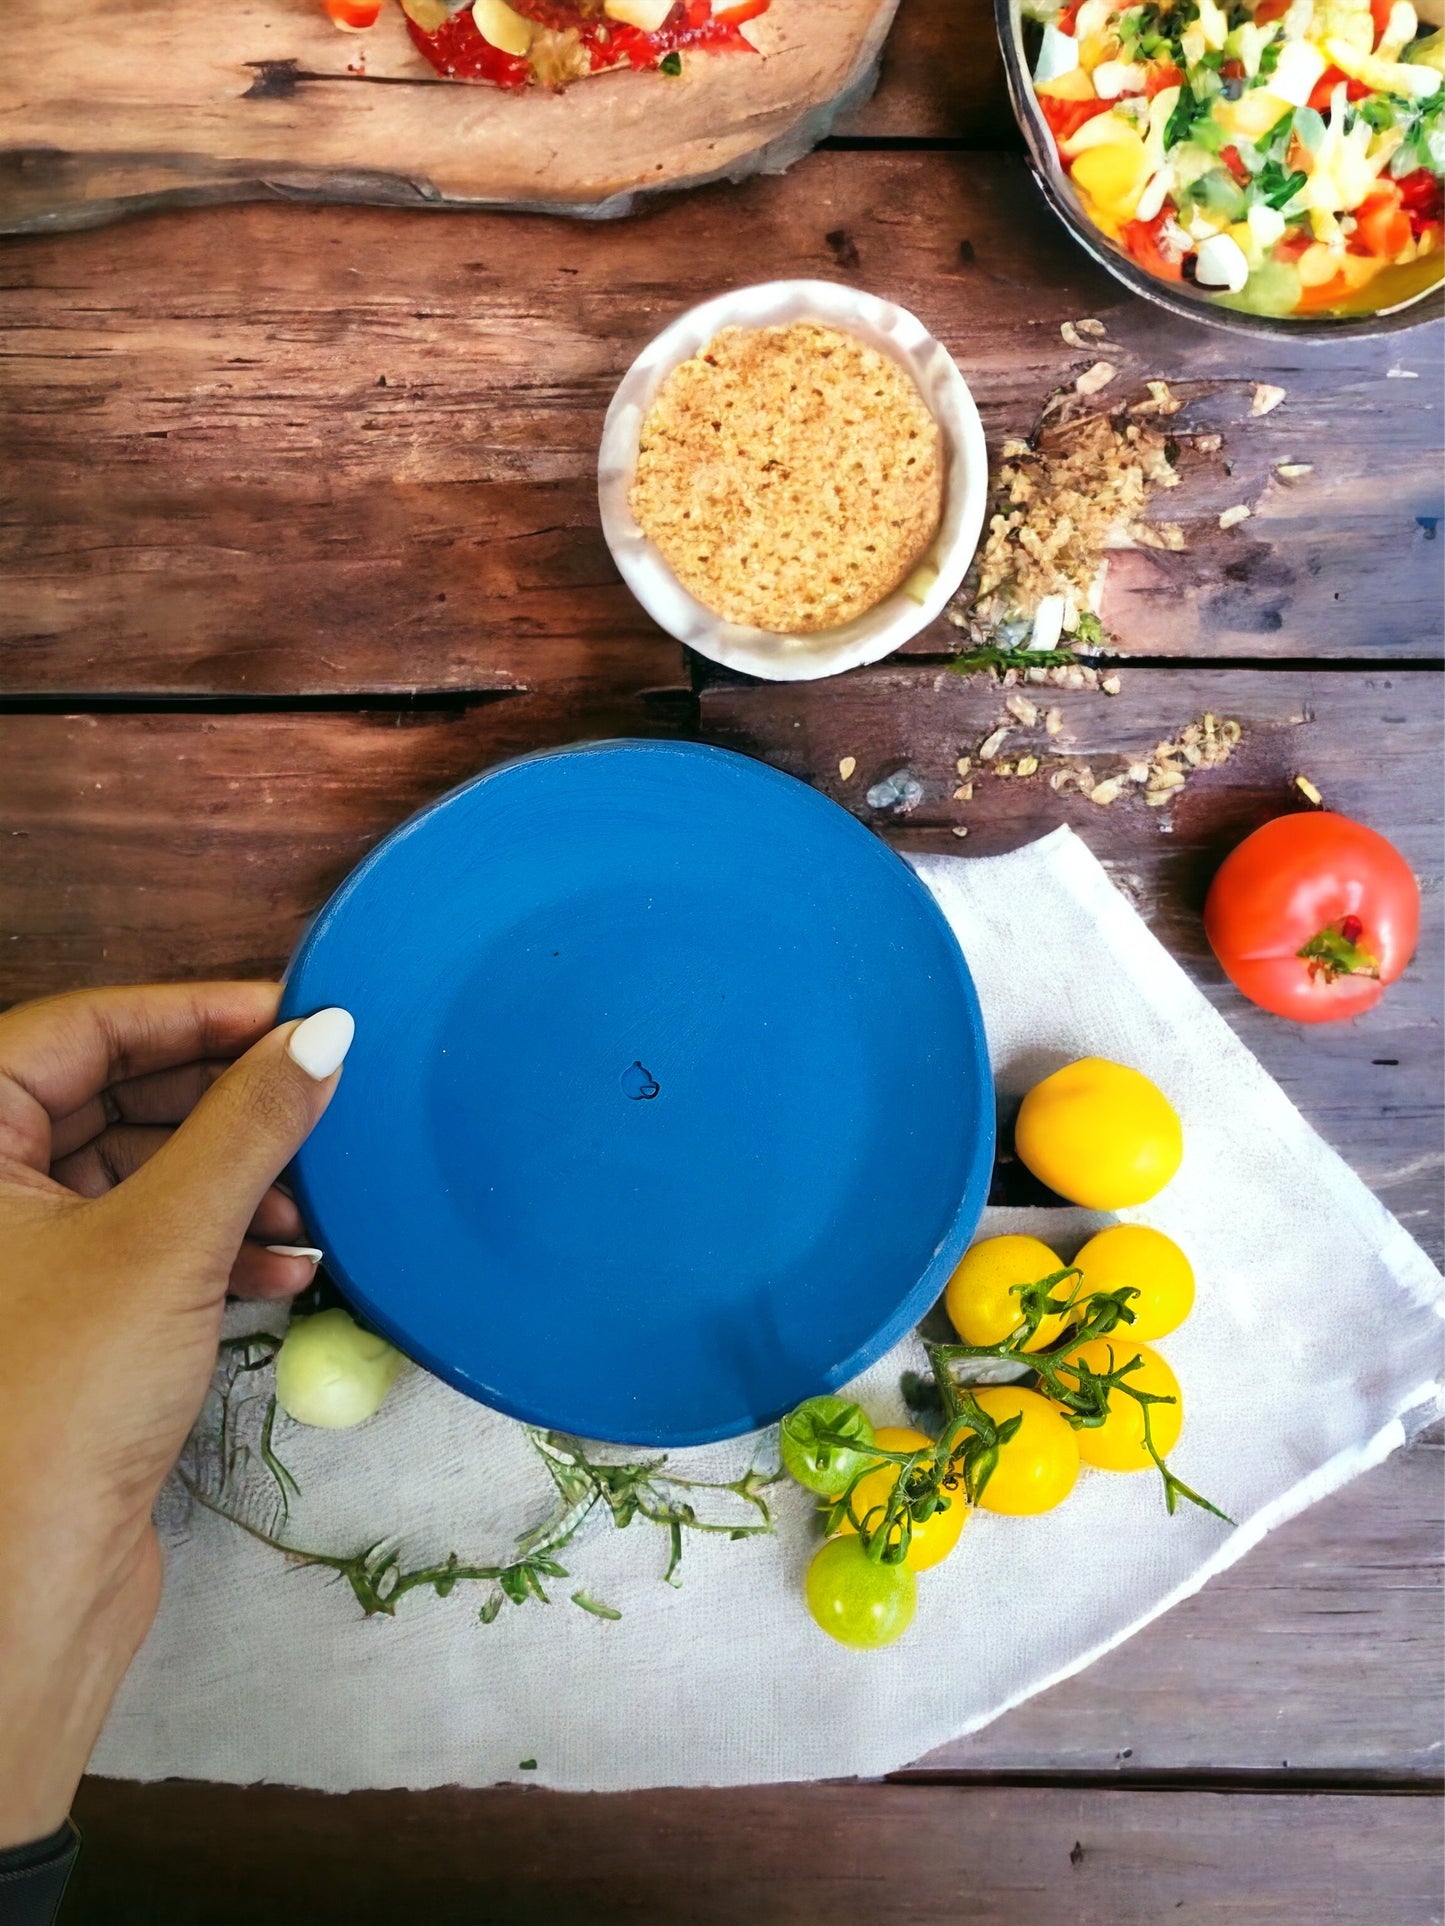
551, 43
117, 105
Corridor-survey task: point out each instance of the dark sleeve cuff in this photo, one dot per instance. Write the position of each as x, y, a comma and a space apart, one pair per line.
33, 1878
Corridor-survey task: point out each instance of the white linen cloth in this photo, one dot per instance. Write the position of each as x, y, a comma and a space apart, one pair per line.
1314, 1348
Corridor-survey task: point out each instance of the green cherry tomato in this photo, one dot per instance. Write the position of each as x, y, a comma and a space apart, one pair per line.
332, 1373
857, 1600
825, 1468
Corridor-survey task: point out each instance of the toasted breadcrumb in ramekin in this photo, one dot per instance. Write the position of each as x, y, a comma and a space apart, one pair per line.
791, 476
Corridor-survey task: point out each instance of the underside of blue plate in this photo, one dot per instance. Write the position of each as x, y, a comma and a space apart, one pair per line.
669, 1102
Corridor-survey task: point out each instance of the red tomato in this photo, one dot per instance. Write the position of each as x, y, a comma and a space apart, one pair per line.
1422, 197
746, 10
354, 15
1292, 245
1066, 117
1145, 241
1234, 161
1159, 75
1312, 916
1326, 85
1382, 227
1268, 10
1380, 14
1068, 19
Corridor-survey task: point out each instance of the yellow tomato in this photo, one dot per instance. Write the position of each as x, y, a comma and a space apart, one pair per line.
1074, 85
1253, 115
1037, 1467
1099, 1134
1112, 176
1149, 1263
980, 1297
1118, 1443
934, 1538
1096, 48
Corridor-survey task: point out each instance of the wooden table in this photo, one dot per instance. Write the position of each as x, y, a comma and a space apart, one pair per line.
300, 529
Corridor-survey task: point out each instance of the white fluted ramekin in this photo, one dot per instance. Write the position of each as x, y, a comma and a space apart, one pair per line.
901, 615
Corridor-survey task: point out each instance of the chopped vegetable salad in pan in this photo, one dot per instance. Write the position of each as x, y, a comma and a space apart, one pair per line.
1285, 156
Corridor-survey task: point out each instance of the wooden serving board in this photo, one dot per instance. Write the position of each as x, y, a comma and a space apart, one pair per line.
112, 107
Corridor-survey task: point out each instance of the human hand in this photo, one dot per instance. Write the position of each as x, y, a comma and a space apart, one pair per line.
137, 1171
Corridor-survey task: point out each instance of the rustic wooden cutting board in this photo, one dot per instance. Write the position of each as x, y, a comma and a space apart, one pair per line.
110, 107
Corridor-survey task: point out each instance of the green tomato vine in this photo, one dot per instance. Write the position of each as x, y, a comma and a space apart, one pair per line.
965, 1455
230, 1443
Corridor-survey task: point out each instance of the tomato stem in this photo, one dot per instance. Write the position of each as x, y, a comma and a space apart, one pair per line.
966, 1451
1337, 951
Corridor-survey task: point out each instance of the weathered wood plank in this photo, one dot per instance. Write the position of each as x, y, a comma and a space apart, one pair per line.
942, 79
377, 474
911, 1855
1318, 1654
161, 844
139, 845
150, 845
113, 108
1371, 742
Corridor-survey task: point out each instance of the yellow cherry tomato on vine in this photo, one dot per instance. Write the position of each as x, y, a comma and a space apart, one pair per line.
980, 1297
1037, 1467
1118, 1443
1148, 1262
933, 1538
1099, 1134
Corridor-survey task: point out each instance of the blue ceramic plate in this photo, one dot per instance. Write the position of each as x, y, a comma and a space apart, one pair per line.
669, 1103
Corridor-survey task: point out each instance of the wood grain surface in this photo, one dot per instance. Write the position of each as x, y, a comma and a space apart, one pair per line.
279, 806
1264, 1677
942, 79
297, 528
901, 1854
112, 107
1366, 1085
378, 472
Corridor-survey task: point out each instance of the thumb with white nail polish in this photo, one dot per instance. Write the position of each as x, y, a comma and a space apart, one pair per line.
200, 1190
319, 1043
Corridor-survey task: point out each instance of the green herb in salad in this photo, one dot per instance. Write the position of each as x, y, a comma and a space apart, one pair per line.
1281, 155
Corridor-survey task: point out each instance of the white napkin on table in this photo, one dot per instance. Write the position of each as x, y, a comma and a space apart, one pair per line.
1314, 1348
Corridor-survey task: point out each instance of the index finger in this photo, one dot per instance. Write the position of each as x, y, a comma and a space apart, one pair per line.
64, 1050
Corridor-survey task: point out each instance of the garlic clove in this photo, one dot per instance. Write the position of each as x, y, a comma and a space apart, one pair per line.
1220, 263
503, 27
646, 15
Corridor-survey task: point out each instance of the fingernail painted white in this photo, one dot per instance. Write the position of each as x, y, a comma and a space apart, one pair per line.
321, 1042
296, 1250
